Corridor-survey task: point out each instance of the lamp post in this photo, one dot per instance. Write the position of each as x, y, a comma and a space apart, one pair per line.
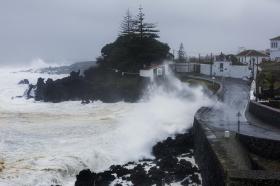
213, 79
238, 121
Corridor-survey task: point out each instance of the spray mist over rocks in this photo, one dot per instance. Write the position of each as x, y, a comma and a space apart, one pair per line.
166, 109
49, 143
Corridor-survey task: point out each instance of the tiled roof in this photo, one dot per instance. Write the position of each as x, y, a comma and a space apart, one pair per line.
275, 38
252, 53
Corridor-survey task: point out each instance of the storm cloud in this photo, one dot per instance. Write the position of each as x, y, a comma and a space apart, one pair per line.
76, 30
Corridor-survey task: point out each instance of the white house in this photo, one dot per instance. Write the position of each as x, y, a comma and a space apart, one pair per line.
222, 66
252, 57
155, 71
275, 49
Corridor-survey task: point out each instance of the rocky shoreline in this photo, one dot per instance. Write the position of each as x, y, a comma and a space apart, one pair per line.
173, 163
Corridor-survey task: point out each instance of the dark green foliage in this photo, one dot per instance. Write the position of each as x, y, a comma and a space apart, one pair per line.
110, 86
135, 47
143, 29
130, 53
128, 24
116, 75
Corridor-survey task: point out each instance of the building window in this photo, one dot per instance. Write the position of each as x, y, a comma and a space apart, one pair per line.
274, 44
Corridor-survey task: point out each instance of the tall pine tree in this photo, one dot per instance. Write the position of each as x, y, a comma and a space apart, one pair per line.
142, 29
181, 54
128, 24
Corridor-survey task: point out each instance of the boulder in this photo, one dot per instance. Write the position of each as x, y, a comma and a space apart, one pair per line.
23, 82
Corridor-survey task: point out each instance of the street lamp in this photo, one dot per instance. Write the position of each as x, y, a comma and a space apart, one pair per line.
238, 121
213, 79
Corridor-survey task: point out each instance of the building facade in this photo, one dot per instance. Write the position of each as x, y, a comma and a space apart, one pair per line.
222, 66
252, 57
155, 71
275, 49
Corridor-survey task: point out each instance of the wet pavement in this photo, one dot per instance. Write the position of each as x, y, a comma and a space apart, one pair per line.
224, 114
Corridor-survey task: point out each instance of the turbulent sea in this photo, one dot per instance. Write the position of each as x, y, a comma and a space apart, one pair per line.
49, 143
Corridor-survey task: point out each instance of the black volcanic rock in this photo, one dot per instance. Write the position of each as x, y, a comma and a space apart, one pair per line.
40, 91
172, 147
85, 178
97, 84
168, 163
88, 178
119, 170
73, 87
23, 82
156, 175
139, 176
170, 166
28, 94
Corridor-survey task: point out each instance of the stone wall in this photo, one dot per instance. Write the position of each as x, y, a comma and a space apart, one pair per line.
266, 148
233, 71
211, 170
214, 172
268, 114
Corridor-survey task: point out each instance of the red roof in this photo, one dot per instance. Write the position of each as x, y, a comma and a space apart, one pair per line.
252, 53
276, 38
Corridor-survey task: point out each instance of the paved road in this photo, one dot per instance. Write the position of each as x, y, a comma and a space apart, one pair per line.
223, 115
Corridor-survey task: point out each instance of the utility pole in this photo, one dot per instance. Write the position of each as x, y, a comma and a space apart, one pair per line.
211, 62
257, 83
238, 122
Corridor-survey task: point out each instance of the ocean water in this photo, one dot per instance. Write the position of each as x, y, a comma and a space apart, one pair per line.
49, 143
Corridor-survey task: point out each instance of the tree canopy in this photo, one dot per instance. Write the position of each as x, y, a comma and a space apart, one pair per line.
137, 26
181, 54
135, 47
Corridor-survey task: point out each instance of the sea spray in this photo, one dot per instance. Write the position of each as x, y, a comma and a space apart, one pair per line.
47, 143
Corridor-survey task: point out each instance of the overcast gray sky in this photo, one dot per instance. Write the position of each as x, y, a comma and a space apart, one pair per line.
76, 30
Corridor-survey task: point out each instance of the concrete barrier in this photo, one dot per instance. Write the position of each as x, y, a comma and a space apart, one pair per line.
265, 113
266, 148
211, 159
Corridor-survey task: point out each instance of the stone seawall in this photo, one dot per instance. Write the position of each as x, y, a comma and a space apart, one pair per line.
218, 166
211, 169
266, 148
265, 113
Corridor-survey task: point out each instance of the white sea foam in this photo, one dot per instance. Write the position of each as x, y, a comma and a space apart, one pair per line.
47, 143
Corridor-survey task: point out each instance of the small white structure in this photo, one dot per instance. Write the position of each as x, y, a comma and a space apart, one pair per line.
155, 71
275, 49
227, 134
221, 66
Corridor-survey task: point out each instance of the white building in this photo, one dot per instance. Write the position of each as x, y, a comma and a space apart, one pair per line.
222, 66
252, 57
155, 71
275, 49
